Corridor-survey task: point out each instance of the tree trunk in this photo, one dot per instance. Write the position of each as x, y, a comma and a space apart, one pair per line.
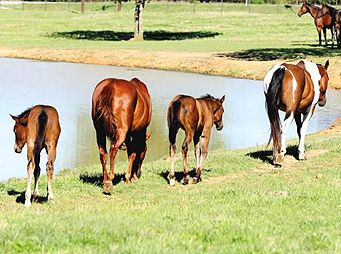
138, 22
119, 6
82, 6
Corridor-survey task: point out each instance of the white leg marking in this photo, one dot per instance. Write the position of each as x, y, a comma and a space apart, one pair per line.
285, 126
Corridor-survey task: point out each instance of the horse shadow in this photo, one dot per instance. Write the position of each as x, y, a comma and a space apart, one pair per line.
97, 178
179, 176
267, 155
21, 197
107, 35
270, 54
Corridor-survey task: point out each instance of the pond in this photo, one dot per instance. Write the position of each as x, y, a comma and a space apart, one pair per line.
69, 87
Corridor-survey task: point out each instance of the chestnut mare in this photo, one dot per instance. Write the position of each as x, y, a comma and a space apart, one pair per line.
294, 89
196, 117
39, 128
321, 22
121, 111
336, 16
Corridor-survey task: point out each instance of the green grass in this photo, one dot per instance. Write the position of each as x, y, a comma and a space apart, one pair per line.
284, 210
264, 32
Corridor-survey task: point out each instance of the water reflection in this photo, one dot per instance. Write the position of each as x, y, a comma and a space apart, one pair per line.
68, 87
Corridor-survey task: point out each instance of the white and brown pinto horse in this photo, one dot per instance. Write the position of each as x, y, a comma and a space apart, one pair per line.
294, 89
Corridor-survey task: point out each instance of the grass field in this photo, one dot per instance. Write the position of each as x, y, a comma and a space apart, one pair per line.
243, 205
179, 29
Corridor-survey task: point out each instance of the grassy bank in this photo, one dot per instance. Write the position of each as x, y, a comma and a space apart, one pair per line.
243, 205
238, 42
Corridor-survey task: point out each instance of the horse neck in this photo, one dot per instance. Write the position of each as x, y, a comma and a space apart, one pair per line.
312, 10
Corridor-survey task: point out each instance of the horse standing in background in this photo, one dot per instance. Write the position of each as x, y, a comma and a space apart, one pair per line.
196, 117
121, 111
39, 128
322, 23
336, 16
294, 89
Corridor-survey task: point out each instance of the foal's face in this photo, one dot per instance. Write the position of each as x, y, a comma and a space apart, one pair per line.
20, 134
323, 84
218, 114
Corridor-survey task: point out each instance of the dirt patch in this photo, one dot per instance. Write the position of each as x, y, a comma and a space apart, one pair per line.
206, 63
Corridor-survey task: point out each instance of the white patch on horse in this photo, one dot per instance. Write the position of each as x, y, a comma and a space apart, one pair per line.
314, 72
269, 75
294, 85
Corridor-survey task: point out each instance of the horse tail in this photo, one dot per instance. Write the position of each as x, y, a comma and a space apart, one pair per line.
272, 95
104, 115
40, 137
173, 122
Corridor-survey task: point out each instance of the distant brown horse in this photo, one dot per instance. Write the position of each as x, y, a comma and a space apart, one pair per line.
196, 117
121, 111
322, 23
336, 17
39, 128
294, 89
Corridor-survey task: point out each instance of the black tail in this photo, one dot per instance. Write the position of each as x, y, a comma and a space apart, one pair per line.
40, 137
172, 119
273, 93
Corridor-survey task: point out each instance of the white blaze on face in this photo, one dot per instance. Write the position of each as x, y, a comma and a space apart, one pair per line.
268, 77
314, 72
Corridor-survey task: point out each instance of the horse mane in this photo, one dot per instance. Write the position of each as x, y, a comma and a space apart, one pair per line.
104, 114
208, 96
25, 113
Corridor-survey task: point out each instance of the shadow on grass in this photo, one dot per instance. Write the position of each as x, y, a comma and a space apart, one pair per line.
269, 54
108, 35
97, 178
267, 155
21, 197
180, 175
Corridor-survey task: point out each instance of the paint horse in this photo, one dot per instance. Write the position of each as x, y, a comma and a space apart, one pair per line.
294, 89
336, 16
196, 117
39, 128
322, 23
121, 111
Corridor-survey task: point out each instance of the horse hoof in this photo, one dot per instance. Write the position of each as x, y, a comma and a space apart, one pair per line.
196, 180
128, 182
302, 156
27, 203
172, 182
279, 160
107, 186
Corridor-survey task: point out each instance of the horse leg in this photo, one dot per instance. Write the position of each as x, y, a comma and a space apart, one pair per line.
51, 157
319, 32
172, 150
205, 139
303, 132
30, 170
36, 177
188, 138
197, 150
325, 36
286, 123
131, 159
103, 155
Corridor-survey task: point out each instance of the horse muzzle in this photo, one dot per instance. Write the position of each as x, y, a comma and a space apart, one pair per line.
219, 126
17, 149
322, 103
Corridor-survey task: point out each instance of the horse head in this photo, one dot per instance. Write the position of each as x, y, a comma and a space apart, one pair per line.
324, 11
323, 83
218, 114
304, 9
20, 131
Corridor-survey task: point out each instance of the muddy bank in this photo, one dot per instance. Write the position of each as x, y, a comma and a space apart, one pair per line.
207, 63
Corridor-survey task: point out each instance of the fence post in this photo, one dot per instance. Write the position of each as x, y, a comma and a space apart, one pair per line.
222, 7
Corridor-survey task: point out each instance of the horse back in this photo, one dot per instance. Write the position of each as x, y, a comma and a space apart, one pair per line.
43, 126
183, 112
143, 106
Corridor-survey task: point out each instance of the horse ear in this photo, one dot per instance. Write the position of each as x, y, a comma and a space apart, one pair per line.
15, 118
222, 99
148, 135
326, 65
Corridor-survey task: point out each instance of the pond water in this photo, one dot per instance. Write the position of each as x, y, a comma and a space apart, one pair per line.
69, 87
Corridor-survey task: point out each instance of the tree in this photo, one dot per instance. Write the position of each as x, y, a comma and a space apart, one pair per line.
138, 22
